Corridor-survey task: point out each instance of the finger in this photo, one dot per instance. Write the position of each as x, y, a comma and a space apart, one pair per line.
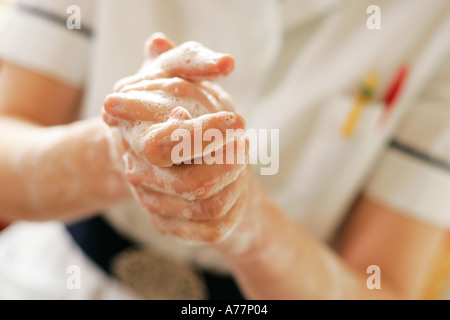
136, 106
194, 62
151, 107
157, 44
212, 231
109, 120
154, 100
178, 88
128, 80
143, 74
191, 61
214, 207
180, 113
191, 182
190, 138
221, 96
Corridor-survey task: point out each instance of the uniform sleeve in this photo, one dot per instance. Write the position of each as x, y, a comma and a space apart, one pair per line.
413, 177
36, 36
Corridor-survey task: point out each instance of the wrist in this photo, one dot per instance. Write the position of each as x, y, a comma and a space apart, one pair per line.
70, 172
264, 238
253, 235
102, 161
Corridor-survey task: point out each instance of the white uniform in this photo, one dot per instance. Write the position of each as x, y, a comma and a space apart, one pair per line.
298, 65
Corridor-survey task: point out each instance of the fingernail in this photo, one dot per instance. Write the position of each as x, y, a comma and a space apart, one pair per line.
158, 43
233, 120
226, 64
115, 103
180, 113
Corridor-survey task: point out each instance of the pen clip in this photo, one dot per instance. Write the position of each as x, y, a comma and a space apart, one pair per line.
364, 95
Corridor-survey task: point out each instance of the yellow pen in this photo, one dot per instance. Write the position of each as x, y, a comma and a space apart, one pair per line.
365, 94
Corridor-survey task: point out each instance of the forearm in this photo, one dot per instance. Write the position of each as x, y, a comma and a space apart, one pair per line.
56, 172
272, 257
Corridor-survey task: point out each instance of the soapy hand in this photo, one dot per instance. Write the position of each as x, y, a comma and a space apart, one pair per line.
172, 92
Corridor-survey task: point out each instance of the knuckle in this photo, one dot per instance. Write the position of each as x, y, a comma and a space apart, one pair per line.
133, 179
175, 84
202, 210
213, 238
154, 152
214, 209
158, 224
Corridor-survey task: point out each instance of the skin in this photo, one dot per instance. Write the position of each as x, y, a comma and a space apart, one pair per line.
245, 225
47, 158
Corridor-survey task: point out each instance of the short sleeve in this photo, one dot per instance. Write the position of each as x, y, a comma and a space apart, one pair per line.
36, 36
413, 176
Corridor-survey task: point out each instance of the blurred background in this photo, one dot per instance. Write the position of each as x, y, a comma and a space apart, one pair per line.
4, 5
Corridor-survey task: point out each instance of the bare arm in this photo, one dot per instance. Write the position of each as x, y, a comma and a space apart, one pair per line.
405, 249
51, 168
294, 265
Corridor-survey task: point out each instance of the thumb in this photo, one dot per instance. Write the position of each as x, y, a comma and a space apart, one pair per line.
157, 44
194, 62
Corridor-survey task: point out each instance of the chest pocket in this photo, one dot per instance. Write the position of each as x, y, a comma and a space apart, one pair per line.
334, 165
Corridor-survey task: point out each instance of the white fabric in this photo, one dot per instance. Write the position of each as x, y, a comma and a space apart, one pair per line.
420, 191
426, 127
413, 186
297, 73
43, 271
25, 43
59, 8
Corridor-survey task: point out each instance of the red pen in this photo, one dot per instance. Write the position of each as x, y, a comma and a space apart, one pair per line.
394, 90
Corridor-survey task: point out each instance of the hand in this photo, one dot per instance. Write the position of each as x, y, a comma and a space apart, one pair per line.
196, 202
